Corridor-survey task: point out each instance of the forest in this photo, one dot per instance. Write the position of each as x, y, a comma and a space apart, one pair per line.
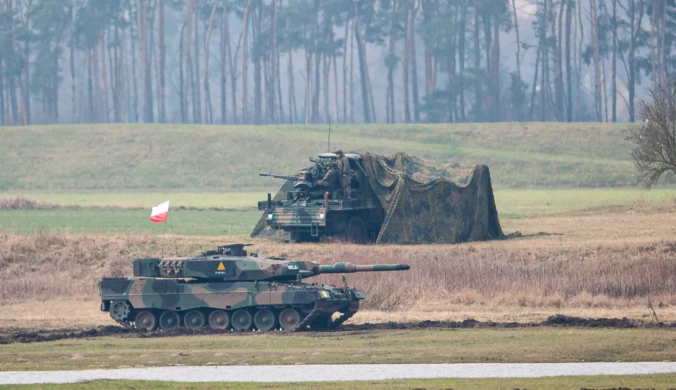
330, 61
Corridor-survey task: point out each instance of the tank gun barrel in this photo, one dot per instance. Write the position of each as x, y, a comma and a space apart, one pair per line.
286, 177
345, 268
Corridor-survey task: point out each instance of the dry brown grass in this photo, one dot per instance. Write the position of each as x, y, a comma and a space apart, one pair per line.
604, 264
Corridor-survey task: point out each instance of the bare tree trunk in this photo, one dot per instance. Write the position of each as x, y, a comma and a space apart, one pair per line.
518, 42
354, 26
535, 81
597, 62
186, 58
496, 69
73, 100
362, 68
27, 78
114, 72
292, 87
327, 70
104, 83
558, 69
345, 67
653, 47
663, 60
389, 96
544, 52
569, 103
579, 64
308, 84
274, 65
197, 103
90, 86
477, 63
162, 60
336, 94
207, 44
414, 66
405, 105
635, 28
245, 26
182, 86
257, 59
122, 76
461, 57
224, 45
143, 53
613, 78
2, 96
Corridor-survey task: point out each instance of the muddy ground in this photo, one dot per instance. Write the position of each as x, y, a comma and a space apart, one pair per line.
17, 335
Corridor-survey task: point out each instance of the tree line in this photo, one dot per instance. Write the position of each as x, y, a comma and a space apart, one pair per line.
319, 61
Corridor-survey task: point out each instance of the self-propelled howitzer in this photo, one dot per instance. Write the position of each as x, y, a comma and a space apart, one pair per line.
227, 289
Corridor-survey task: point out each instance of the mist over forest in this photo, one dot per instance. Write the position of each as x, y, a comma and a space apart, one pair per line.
338, 61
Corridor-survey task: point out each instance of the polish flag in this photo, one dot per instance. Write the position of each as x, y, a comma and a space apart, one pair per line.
160, 213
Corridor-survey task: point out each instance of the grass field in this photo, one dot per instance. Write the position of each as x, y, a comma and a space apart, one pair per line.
229, 158
127, 213
121, 222
660, 381
610, 253
537, 345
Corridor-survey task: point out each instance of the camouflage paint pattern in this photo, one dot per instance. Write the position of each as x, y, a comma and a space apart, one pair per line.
218, 280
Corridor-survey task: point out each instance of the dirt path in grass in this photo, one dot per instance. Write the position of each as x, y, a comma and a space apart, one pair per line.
323, 373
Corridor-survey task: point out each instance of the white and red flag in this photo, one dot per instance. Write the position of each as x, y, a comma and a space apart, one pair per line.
160, 213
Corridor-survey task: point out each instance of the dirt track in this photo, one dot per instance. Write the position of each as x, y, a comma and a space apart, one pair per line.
16, 335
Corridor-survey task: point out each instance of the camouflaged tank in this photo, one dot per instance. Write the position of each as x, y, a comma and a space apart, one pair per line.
227, 289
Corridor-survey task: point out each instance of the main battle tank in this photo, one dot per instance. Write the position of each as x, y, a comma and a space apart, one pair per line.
228, 289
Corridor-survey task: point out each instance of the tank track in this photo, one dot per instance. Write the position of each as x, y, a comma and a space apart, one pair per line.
124, 323
307, 320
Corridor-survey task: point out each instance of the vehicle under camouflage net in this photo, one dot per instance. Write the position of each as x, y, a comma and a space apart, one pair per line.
399, 200
227, 289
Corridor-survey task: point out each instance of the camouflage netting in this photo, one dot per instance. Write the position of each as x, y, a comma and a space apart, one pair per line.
428, 202
262, 230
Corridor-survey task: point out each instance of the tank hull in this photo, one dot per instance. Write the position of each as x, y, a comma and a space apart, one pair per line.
308, 304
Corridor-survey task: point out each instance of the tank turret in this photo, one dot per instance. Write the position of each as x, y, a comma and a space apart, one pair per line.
227, 289
230, 263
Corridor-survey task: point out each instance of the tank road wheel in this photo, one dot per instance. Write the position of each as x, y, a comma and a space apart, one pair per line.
146, 320
289, 319
219, 319
194, 319
119, 310
241, 320
264, 320
356, 231
169, 320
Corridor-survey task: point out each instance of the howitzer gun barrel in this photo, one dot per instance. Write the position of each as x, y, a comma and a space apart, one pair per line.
340, 268
276, 176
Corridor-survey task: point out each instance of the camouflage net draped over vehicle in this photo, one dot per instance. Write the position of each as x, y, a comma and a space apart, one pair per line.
428, 202
262, 230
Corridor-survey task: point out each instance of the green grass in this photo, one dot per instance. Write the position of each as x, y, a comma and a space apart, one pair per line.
145, 199
516, 203
190, 158
111, 221
659, 381
511, 203
536, 345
